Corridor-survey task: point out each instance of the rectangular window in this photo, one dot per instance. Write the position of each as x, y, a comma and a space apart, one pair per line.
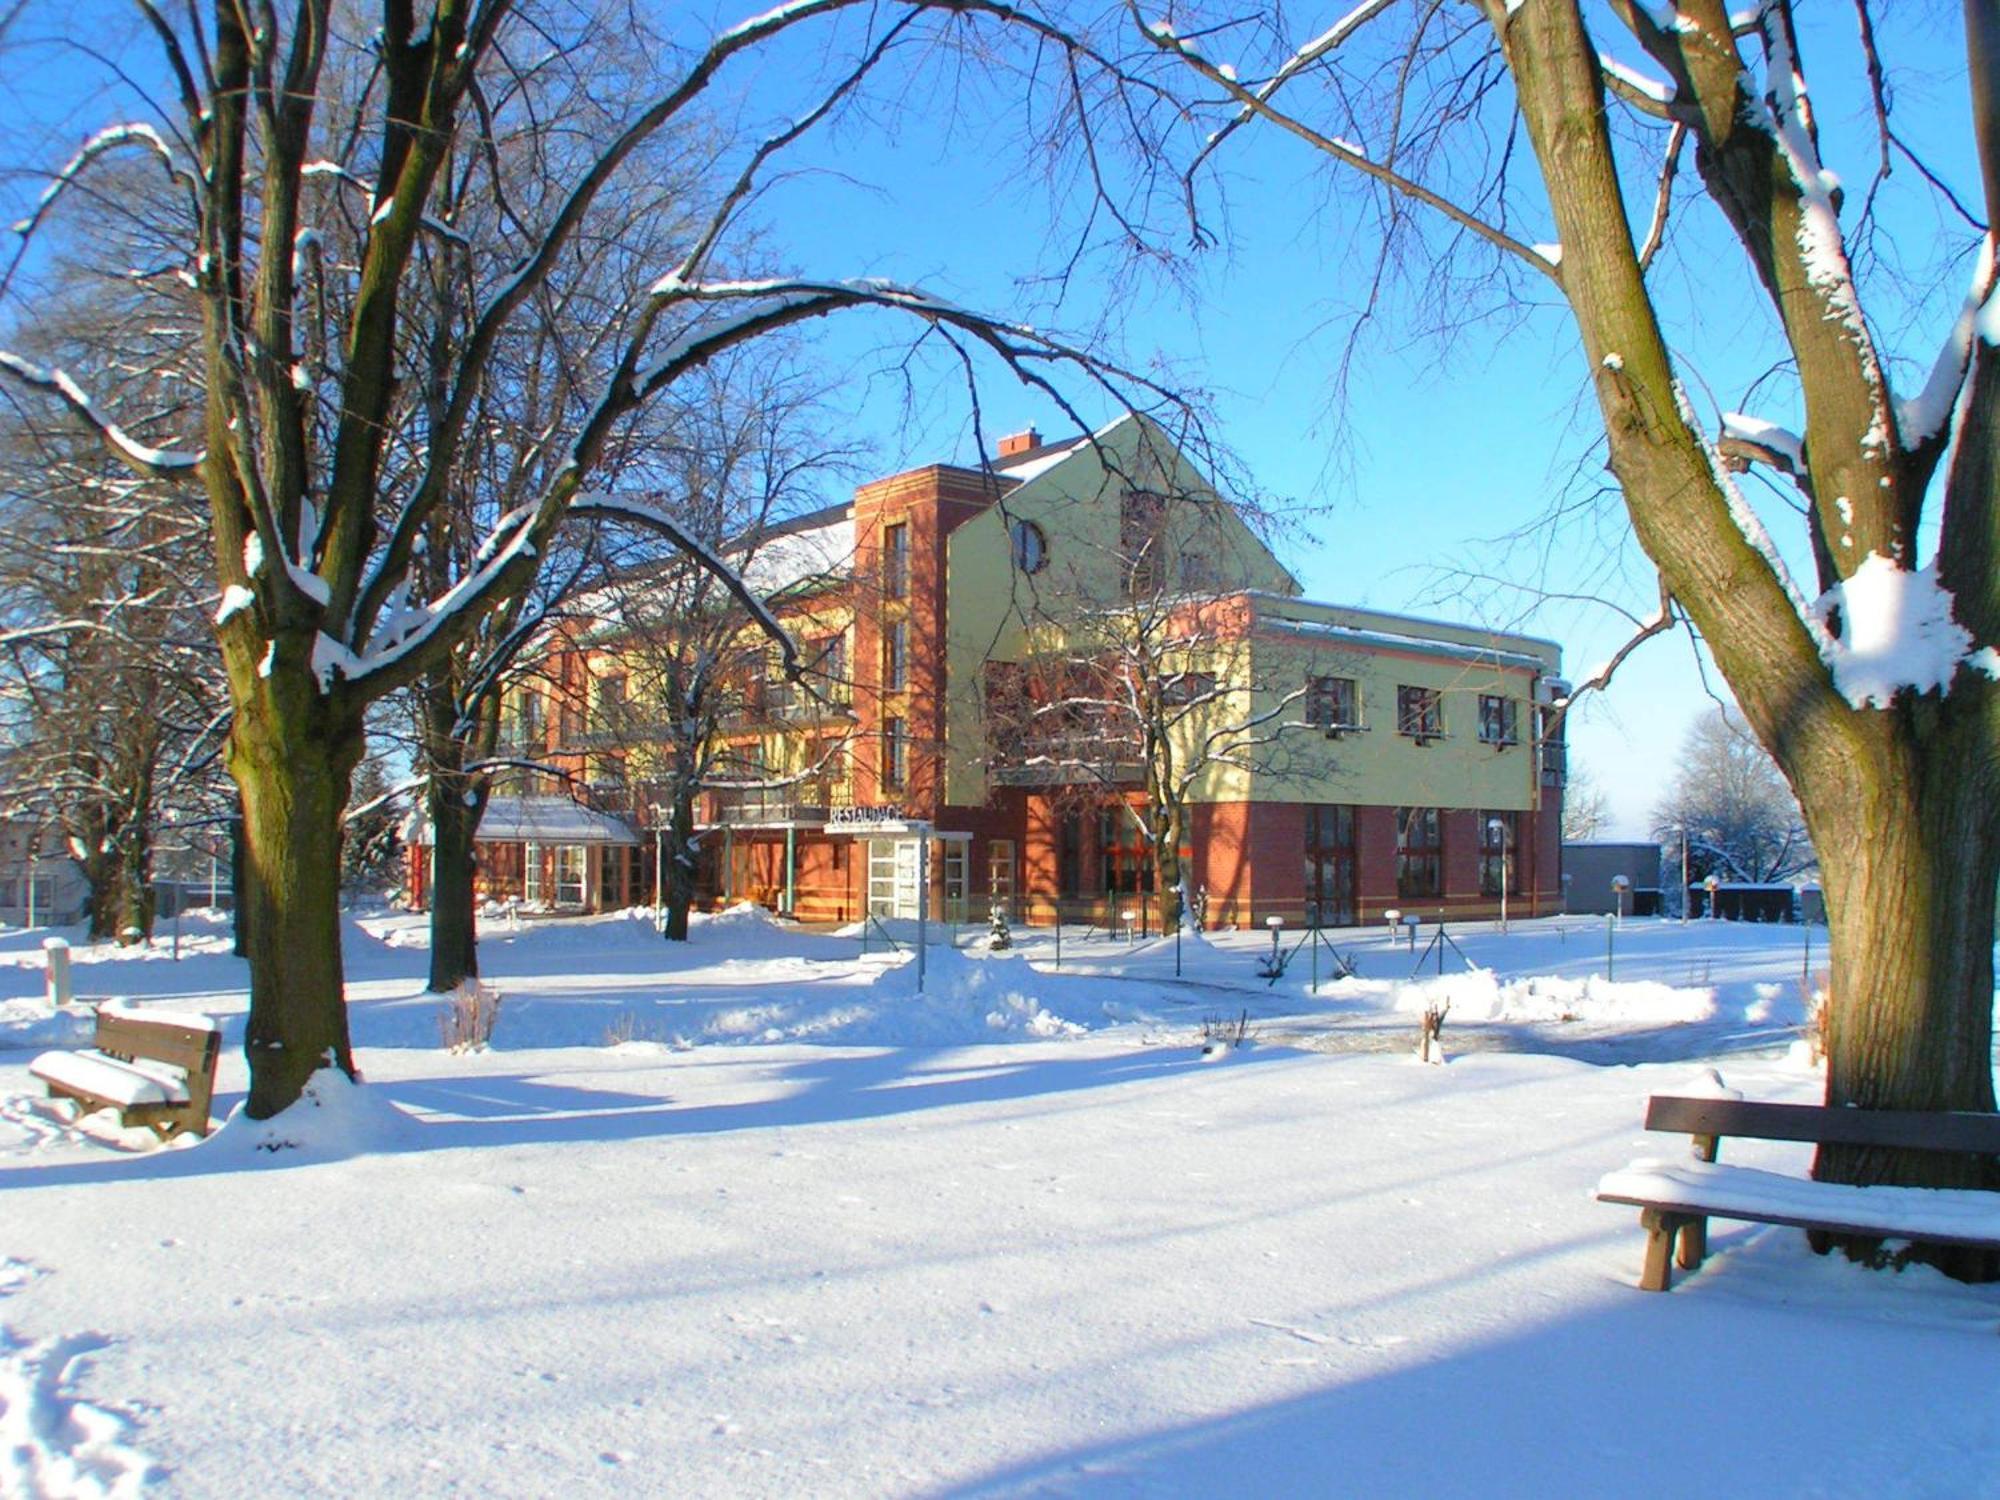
828, 672
1420, 713
1330, 865
952, 867
532, 889
1555, 752
896, 561
1069, 855
569, 874
1000, 872
1498, 834
525, 732
1178, 689
608, 706
896, 656
1142, 519
895, 753
1419, 852
1499, 720
1121, 852
1333, 703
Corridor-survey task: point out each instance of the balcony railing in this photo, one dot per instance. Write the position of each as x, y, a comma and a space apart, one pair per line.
784, 703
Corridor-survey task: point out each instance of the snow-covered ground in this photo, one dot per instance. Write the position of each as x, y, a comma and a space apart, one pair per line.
749, 1216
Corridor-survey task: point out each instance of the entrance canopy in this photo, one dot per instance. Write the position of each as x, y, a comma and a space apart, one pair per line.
537, 820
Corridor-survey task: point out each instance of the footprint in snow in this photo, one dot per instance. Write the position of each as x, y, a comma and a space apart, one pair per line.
52, 1442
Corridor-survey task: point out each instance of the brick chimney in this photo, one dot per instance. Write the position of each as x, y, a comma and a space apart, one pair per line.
1019, 442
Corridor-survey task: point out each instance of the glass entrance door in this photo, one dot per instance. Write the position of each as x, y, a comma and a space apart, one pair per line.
892, 877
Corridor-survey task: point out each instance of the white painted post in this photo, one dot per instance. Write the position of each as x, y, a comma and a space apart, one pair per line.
55, 956
923, 898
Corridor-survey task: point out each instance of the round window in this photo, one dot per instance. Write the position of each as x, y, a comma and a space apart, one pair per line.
1031, 548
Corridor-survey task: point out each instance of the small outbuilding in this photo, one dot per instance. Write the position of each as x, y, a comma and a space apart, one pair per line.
1607, 876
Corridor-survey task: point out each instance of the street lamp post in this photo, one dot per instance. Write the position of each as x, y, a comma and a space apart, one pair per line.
1684, 875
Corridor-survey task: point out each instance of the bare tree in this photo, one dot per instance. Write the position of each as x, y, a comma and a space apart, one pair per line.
110, 693
1154, 690
326, 465
750, 450
1586, 810
1728, 800
1872, 685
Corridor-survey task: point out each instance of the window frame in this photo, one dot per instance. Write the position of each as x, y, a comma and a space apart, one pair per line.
1324, 702
1499, 720
896, 560
1028, 545
895, 754
1419, 712
896, 656
1419, 865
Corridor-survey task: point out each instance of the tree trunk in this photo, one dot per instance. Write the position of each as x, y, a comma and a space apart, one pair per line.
100, 873
679, 874
1167, 867
239, 885
1910, 876
455, 813
293, 770
135, 903
1898, 800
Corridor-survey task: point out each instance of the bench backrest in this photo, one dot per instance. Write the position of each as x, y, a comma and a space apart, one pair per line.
127, 1037
1942, 1130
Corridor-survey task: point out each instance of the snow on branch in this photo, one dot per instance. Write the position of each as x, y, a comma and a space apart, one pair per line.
644, 513
1258, 102
105, 141
378, 211
1652, 95
1923, 417
154, 463
1748, 525
1752, 439
1598, 678
411, 629
1888, 629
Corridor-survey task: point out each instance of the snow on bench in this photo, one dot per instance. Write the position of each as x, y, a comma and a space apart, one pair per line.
125, 1010
1676, 1199
1958, 1215
120, 1083
155, 1068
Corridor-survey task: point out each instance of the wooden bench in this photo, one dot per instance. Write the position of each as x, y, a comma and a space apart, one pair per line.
156, 1068
1677, 1199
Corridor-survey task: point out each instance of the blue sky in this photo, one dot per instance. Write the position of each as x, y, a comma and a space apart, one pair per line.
1440, 447
1443, 447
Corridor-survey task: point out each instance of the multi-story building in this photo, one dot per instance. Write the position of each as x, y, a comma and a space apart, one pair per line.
1017, 667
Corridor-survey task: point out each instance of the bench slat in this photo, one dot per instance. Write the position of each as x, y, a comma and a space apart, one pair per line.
129, 1038
1959, 1216
1911, 1129
1830, 1223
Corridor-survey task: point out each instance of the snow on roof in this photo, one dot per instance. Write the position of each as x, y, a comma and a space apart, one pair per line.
1036, 461
1388, 635
1427, 645
538, 820
787, 558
